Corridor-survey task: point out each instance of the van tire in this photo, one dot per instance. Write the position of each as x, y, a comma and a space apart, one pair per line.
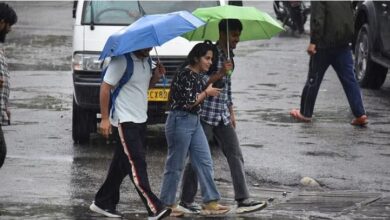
368, 73
82, 124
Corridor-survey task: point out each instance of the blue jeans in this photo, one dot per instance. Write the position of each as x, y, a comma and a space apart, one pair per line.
227, 140
342, 63
185, 136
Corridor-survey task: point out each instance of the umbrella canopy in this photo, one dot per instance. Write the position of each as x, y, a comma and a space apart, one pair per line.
150, 31
256, 24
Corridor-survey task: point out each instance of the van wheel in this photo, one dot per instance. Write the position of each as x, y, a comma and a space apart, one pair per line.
83, 123
368, 73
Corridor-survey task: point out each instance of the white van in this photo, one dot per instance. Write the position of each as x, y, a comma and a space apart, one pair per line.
95, 21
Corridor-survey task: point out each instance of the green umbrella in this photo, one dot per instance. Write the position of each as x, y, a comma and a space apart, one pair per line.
257, 25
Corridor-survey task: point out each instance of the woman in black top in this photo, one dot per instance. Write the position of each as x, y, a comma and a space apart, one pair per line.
185, 135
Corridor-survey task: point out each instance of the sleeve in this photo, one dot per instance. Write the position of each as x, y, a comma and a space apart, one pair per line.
317, 21
115, 70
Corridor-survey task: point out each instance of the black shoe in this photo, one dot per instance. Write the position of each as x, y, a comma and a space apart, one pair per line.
249, 205
105, 212
161, 214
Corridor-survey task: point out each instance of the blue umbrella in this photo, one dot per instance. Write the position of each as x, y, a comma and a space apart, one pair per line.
150, 31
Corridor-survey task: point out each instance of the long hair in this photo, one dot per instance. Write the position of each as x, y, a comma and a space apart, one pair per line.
198, 51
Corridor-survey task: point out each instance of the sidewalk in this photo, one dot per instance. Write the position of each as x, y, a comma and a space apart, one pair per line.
291, 204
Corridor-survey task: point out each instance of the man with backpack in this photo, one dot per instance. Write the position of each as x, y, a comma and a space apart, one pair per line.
218, 121
125, 84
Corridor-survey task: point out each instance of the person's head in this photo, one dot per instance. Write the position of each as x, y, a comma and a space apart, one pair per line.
7, 19
201, 55
234, 27
143, 53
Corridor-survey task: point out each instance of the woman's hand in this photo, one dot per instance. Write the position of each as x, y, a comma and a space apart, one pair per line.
211, 91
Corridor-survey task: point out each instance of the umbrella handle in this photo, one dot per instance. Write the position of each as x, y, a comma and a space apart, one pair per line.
227, 39
158, 60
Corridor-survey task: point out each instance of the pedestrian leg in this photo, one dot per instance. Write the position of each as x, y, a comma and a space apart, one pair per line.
179, 131
108, 195
342, 63
190, 179
228, 141
203, 165
318, 65
132, 136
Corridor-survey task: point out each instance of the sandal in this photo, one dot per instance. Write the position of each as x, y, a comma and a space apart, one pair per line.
213, 208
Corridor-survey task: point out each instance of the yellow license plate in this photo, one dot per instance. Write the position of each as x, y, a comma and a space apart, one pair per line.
158, 95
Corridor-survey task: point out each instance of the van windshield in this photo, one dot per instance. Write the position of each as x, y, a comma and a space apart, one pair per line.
126, 12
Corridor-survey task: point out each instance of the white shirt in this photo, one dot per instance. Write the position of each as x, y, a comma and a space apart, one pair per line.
131, 105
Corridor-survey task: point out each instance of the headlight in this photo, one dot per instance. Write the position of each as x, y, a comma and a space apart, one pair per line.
86, 62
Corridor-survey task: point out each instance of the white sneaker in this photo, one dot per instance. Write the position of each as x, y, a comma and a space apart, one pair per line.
107, 213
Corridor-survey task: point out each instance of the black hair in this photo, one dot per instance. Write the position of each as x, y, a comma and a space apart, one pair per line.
8, 14
198, 51
233, 25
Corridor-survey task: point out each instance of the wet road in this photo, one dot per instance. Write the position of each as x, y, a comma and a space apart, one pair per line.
46, 176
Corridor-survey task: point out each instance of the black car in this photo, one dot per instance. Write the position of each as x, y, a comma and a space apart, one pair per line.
372, 42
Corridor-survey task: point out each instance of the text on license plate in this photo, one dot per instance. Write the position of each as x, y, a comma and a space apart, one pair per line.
158, 95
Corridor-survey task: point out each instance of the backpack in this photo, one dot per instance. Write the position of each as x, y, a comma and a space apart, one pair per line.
125, 78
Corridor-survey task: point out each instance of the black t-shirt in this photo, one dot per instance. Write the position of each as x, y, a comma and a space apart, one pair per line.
185, 87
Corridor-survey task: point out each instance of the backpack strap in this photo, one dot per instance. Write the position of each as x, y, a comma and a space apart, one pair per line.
125, 78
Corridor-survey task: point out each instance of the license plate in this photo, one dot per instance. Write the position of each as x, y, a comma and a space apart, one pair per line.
158, 95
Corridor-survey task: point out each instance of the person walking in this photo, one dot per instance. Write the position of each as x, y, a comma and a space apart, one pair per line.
128, 115
184, 133
332, 29
8, 18
218, 121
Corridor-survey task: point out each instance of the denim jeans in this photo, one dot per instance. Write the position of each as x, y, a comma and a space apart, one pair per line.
185, 137
227, 140
342, 62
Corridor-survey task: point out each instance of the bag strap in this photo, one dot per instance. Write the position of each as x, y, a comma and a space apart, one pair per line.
125, 78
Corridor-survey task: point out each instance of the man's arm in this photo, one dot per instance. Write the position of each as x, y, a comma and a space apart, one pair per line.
226, 67
105, 125
317, 21
230, 104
